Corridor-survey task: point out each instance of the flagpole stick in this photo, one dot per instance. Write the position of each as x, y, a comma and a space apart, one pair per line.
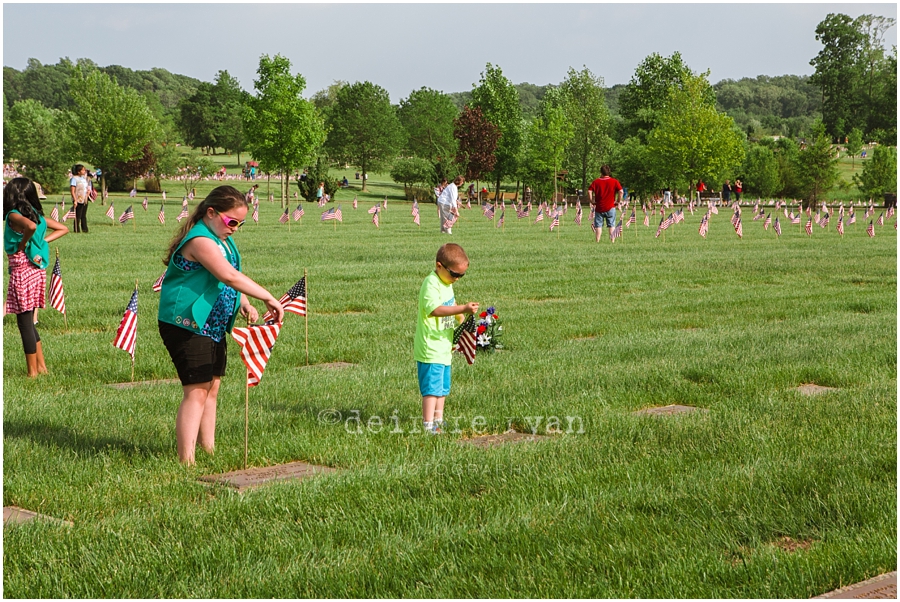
306, 316
132, 357
247, 410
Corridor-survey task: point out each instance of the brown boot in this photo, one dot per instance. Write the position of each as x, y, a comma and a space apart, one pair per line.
31, 362
41, 364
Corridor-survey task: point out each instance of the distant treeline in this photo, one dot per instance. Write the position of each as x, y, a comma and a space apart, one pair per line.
781, 105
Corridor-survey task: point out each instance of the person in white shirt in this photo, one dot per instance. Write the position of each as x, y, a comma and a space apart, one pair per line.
448, 202
78, 188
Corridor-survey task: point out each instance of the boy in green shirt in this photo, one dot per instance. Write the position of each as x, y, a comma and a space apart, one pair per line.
435, 324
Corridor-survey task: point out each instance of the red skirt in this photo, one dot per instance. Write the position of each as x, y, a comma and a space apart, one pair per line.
26, 285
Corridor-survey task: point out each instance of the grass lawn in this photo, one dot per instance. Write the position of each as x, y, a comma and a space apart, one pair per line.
685, 506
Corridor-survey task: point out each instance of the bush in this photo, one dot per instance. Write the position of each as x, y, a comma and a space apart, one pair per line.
416, 175
151, 184
314, 175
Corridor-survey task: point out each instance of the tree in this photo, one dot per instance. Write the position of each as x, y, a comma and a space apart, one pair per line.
364, 128
188, 166
854, 144
283, 129
632, 165
649, 89
34, 136
692, 140
325, 99
414, 173
879, 173
498, 100
109, 123
817, 167
584, 103
760, 171
478, 139
138, 166
197, 119
548, 138
427, 117
228, 109
317, 173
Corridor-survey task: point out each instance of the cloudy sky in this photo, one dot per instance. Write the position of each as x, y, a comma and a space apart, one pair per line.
402, 47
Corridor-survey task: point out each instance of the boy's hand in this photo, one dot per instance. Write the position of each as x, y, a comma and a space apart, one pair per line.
471, 308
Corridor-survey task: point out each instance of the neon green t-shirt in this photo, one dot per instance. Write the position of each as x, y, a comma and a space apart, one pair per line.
434, 336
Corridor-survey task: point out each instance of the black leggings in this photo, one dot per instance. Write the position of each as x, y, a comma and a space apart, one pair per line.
30, 336
81, 218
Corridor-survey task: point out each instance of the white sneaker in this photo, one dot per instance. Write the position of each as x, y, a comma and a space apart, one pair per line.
450, 231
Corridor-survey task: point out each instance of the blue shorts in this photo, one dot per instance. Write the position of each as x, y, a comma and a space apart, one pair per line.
434, 379
609, 216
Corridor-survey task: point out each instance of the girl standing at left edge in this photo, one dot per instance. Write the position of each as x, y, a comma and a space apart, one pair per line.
26, 242
199, 301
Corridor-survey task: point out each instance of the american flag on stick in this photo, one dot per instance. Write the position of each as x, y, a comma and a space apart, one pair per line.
578, 214
70, 214
293, 301
633, 218
133, 193
164, 194
157, 286
664, 223
871, 230
54, 215
373, 209
184, 213
540, 215
739, 229
162, 214
144, 203
767, 223
448, 223
57, 296
520, 213
852, 219
880, 220
777, 227
256, 344
502, 217
840, 226
616, 232
127, 214
126, 335
255, 216
285, 217
489, 211
298, 212
809, 227
795, 219
555, 221
355, 202
375, 217
704, 225
111, 213
824, 222
647, 219
415, 213
464, 339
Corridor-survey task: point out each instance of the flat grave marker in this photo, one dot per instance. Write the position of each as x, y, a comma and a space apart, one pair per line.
14, 515
670, 410
882, 587
243, 480
814, 389
486, 441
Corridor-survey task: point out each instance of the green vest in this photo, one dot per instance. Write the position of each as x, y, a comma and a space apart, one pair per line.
187, 298
36, 246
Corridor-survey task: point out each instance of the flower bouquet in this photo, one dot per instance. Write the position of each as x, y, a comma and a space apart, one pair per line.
489, 331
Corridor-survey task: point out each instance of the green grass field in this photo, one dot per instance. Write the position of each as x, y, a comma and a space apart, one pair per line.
633, 506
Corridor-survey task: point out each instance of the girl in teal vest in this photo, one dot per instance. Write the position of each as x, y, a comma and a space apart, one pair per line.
26, 242
199, 301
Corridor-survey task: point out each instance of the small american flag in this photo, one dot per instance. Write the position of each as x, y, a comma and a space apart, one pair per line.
373, 209
555, 221
540, 215
164, 194
111, 213
384, 203
578, 214
735, 218
739, 229
809, 227
415, 213
767, 223
759, 215
375, 217
616, 232
184, 202
191, 195
852, 219
840, 226
127, 215
70, 214
126, 335
293, 301
450, 221
162, 214
870, 230
704, 225
255, 216
777, 227
880, 220
647, 219
54, 215
184, 213
713, 208
489, 211
664, 223
756, 208
520, 213
824, 222
256, 344
795, 219
157, 286
464, 339
502, 217
133, 193
818, 218
57, 297
285, 217
144, 203
355, 203
338, 215
298, 212
633, 218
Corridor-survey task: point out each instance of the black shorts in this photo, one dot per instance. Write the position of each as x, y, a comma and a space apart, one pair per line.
197, 358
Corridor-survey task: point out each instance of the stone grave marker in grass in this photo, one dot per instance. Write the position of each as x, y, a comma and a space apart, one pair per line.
13, 515
249, 478
669, 410
496, 439
814, 389
882, 587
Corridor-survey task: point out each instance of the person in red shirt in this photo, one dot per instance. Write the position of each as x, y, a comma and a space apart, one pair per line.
603, 193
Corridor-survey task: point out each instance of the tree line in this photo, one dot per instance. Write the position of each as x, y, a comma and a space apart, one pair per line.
668, 127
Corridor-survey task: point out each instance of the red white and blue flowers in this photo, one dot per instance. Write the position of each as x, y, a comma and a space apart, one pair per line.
489, 331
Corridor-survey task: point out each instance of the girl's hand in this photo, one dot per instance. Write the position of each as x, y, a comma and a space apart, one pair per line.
275, 307
249, 312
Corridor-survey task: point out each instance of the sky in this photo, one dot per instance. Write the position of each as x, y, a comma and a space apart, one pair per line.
403, 47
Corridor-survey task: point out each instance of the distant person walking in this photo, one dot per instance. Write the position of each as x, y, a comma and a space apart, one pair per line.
26, 242
604, 193
448, 203
738, 190
726, 192
78, 188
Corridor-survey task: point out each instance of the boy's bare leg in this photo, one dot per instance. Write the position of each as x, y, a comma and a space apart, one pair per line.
439, 408
428, 404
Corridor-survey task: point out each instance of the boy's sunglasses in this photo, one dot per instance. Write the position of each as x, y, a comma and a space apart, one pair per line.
230, 221
452, 273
